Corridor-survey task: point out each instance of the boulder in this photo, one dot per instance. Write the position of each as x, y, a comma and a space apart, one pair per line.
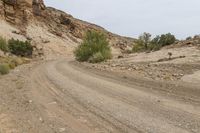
38, 6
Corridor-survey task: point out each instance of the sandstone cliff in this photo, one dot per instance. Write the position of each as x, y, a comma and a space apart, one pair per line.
49, 29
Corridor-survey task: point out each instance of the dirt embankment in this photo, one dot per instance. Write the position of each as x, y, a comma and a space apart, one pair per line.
157, 65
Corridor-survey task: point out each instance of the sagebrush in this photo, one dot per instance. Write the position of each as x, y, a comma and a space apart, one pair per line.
95, 48
4, 69
3, 45
20, 48
145, 43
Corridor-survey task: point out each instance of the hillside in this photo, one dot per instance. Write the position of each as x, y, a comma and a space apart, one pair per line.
150, 91
51, 31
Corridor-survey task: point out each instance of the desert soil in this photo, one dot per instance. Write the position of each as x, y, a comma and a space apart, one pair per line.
65, 96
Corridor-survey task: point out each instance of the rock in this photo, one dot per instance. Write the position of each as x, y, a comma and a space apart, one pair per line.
113, 65
29, 38
41, 119
30, 101
120, 56
181, 74
45, 41
16, 32
38, 6
62, 130
65, 20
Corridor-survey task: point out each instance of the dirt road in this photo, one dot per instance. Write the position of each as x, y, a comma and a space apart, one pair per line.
62, 96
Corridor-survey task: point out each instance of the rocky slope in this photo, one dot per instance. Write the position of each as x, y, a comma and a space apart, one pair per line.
51, 31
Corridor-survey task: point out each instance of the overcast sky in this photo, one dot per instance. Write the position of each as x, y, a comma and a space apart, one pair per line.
133, 17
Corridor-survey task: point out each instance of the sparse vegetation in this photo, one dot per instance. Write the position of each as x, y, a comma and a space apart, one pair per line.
20, 48
145, 43
189, 38
95, 48
17, 47
166, 39
97, 57
4, 69
3, 45
12, 62
170, 55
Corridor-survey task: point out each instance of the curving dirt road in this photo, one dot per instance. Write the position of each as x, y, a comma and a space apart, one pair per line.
67, 97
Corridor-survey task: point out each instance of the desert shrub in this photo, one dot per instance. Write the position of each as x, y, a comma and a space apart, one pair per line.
154, 47
189, 38
17, 61
4, 69
94, 47
145, 43
145, 38
163, 40
12, 65
142, 43
3, 45
166, 39
97, 57
20, 48
138, 46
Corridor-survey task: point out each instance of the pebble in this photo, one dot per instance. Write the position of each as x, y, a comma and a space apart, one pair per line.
30, 101
62, 130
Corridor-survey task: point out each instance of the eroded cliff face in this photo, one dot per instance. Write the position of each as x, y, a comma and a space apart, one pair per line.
26, 14
20, 11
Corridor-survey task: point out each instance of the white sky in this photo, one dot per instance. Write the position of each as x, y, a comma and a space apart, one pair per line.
133, 17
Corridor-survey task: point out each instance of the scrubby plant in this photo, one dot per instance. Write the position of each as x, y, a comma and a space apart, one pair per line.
146, 39
142, 43
4, 69
95, 48
20, 48
170, 55
154, 47
145, 43
97, 57
3, 45
17, 61
167, 39
138, 46
188, 38
164, 39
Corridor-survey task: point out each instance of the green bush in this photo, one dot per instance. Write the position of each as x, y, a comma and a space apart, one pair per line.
142, 43
97, 57
189, 38
145, 43
20, 48
4, 69
166, 39
3, 45
95, 48
139, 46
145, 39
154, 47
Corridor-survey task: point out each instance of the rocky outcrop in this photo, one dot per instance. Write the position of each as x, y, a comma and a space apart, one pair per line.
23, 13
19, 11
38, 6
1, 8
